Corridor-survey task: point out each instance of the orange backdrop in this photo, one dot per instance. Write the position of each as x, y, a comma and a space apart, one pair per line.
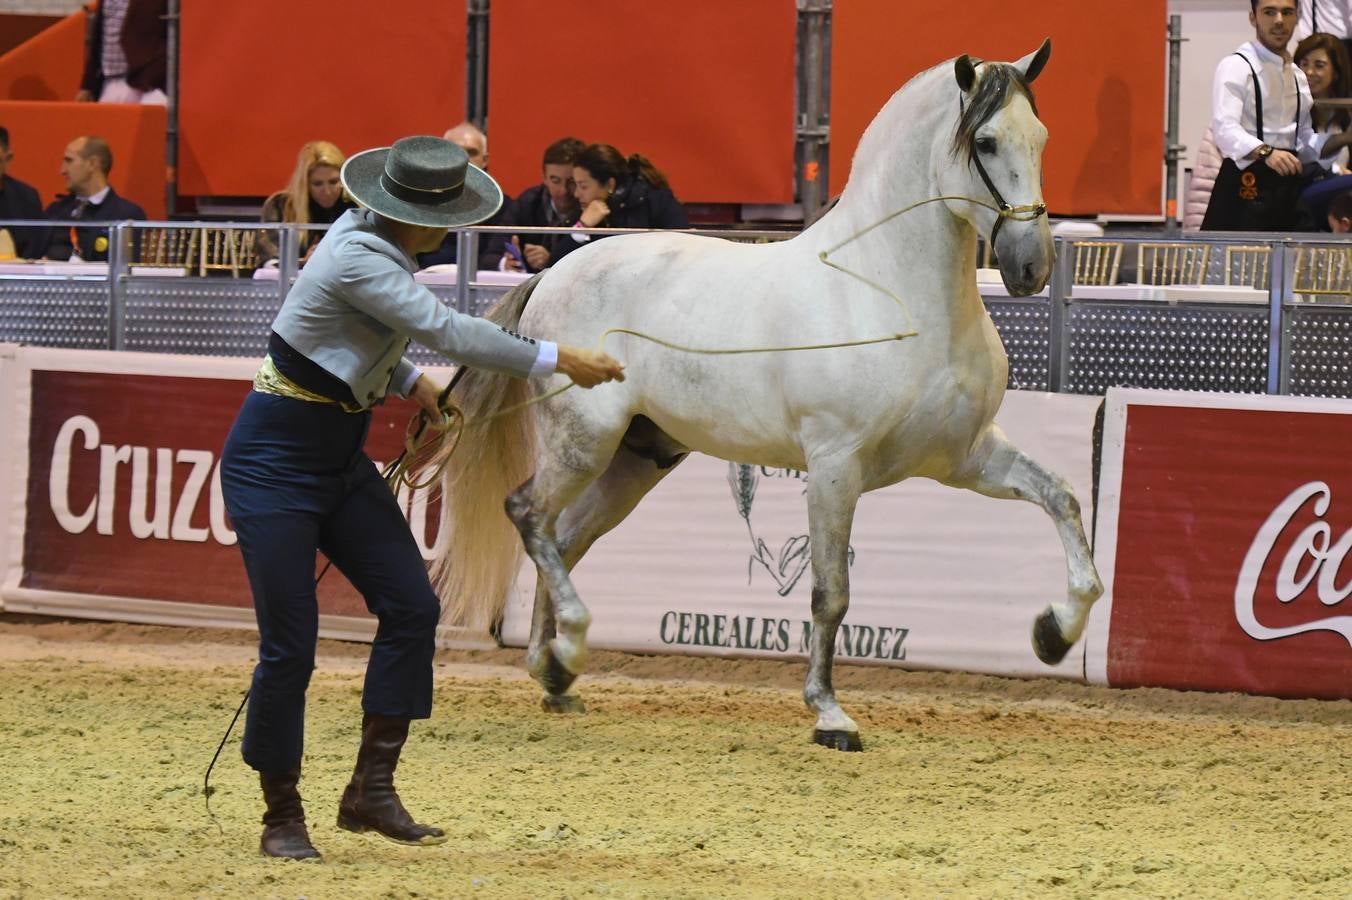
48, 65
1101, 95
703, 88
39, 133
263, 78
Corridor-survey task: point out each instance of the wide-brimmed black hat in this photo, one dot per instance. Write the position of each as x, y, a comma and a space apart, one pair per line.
422, 180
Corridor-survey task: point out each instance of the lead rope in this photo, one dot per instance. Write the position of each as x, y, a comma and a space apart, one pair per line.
453, 423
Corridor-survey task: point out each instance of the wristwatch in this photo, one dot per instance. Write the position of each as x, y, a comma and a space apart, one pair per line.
1264, 151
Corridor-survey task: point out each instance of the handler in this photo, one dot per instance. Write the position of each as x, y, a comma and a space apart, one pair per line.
296, 478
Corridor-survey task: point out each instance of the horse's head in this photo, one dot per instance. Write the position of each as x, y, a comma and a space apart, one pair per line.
998, 144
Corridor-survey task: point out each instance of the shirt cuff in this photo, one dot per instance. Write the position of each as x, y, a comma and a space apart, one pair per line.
547, 361
579, 236
407, 387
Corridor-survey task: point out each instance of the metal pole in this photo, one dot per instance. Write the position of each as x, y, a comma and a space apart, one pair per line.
119, 264
1173, 150
288, 257
1277, 280
813, 132
466, 264
1058, 331
476, 63
171, 127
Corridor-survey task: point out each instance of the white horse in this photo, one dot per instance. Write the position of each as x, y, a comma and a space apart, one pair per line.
855, 418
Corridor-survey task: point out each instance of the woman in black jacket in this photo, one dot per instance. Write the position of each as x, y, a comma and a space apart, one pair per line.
614, 192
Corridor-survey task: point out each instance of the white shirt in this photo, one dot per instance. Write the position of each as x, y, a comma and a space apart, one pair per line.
1328, 16
1234, 115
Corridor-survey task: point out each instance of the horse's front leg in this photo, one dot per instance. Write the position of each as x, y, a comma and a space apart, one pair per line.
997, 468
833, 488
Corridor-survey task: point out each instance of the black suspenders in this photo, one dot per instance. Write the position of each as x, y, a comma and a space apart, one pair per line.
1258, 101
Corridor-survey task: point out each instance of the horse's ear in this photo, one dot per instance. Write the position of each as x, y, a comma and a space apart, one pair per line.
965, 71
1031, 65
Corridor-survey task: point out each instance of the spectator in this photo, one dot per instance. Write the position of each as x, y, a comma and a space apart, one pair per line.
313, 196
85, 166
1340, 213
1324, 60
1203, 180
19, 201
491, 246
1327, 16
126, 53
614, 192
551, 204
1262, 127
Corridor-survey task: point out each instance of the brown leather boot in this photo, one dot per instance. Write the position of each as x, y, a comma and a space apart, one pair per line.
370, 803
284, 833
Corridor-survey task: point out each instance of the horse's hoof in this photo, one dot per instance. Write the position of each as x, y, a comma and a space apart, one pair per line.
563, 704
847, 741
554, 678
1048, 643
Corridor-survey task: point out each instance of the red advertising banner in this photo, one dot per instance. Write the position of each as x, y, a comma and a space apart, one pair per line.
1233, 522
123, 489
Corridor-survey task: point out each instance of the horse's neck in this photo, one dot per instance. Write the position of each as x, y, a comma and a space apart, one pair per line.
926, 248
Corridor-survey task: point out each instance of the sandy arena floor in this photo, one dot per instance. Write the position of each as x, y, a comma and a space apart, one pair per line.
686, 778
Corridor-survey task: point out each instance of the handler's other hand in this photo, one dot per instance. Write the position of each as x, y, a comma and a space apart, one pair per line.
425, 393
588, 368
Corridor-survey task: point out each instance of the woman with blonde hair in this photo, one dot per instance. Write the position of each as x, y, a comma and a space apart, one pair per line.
313, 196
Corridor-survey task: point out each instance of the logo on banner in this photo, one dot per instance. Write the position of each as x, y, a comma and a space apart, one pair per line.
1313, 558
787, 566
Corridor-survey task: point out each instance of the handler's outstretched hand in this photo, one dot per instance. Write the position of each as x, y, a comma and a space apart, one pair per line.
588, 368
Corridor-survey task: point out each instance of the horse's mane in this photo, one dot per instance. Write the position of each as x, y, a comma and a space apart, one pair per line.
992, 93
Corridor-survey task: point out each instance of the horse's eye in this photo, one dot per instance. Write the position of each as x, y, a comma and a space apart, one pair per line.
986, 145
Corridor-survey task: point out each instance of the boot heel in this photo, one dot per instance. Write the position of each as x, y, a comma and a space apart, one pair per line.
349, 822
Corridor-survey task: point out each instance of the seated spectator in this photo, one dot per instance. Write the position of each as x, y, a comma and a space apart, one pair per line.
491, 246
313, 196
1324, 60
551, 204
614, 192
85, 166
1340, 213
1204, 173
19, 201
126, 55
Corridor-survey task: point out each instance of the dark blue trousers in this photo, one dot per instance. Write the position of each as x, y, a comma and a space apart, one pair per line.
296, 480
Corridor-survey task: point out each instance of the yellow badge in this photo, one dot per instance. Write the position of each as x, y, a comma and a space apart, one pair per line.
100, 244
1248, 186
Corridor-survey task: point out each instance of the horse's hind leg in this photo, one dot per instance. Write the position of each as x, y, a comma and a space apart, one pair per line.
997, 468
833, 488
557, 647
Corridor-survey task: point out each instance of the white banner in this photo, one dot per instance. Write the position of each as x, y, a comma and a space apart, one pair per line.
715, 561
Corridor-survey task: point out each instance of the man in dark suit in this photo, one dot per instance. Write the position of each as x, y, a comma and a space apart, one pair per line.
474, 142
85, 166
549, 203
19, 201
126, 55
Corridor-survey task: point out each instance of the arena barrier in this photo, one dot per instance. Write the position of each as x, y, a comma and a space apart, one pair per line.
1223, 529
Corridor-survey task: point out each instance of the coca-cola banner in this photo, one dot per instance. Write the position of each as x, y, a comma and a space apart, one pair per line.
121, 494
1225, 525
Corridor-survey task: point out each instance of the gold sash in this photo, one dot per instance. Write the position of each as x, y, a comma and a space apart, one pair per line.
268, 380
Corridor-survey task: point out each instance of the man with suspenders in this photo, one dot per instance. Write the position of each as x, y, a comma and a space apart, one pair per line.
1260, 115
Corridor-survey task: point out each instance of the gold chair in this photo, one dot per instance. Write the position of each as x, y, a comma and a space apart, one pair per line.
1323, 270
226, 250
170, 248
1247, 266
1097, 262
1173, 263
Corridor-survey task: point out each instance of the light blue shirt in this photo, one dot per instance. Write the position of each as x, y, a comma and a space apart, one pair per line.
355, 306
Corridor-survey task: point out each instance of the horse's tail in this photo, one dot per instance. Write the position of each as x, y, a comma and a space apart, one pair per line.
480, 553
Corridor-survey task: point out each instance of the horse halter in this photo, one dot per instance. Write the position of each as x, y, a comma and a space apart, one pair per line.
1025, 213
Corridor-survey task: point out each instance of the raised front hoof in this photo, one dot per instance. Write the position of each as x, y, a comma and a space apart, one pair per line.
553, 677
563, 704
847, 741
1048, 643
